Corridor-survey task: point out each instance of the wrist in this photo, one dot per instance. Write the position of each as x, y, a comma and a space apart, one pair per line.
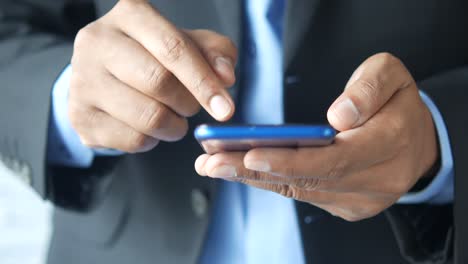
430, 163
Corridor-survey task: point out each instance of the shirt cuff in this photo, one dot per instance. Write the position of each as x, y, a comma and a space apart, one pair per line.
441, 189
64, 146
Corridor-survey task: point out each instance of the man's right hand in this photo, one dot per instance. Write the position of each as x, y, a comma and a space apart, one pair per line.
136, 78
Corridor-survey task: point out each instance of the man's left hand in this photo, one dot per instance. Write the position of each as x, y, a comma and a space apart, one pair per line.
387, 142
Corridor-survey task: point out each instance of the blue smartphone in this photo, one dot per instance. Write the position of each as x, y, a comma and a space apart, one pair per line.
224, 138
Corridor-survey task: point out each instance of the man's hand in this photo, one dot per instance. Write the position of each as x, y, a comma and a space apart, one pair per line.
136, 77
387, 142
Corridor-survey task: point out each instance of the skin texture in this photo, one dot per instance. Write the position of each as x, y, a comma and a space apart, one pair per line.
387, 142
136, 78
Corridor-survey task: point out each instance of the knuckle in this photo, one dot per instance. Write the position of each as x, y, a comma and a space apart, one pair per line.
125, 3
205, 86
126, 6
287, 191
83, 121
314, 184
80, 116
387, 58
240, 180
368, 89
154, 116
337, 169
86, 37
173, 47
254, 175
390, 63
308, 184
81, 91
156, 77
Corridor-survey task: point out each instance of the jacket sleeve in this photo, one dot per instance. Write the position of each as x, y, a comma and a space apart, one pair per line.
438, 234
36, 41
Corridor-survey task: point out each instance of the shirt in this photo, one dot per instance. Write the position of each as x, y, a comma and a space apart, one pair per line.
243, 229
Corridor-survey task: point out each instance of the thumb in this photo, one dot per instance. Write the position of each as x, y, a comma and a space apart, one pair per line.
219, 51
370, 87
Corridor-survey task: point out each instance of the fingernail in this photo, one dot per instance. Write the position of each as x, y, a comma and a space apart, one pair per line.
220, 106
200, 164
224, 65
345, 113
258, 165
224, 171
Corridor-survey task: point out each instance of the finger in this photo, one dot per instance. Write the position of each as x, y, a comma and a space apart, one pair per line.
352, 151
174, 50
134, 65
219, 50
313, 197
370, 87
137, 110
200, 164
355, 152
230, 166
325, 163
349, 206
223, 165
99, 130
395, 173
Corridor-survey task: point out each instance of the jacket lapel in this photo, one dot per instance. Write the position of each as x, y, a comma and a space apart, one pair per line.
298, 18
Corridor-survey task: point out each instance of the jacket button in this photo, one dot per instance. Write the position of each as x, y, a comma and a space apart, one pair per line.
199, 203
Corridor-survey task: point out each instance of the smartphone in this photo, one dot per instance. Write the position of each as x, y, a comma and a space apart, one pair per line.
224, 138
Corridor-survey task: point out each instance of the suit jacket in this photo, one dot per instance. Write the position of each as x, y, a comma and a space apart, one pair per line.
153, 208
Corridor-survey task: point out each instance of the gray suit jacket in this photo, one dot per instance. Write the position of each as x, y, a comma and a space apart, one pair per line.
153, 208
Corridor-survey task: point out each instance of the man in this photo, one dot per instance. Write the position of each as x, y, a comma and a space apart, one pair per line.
138, 76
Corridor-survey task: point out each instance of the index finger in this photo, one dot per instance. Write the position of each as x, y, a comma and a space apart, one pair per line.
176, 53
